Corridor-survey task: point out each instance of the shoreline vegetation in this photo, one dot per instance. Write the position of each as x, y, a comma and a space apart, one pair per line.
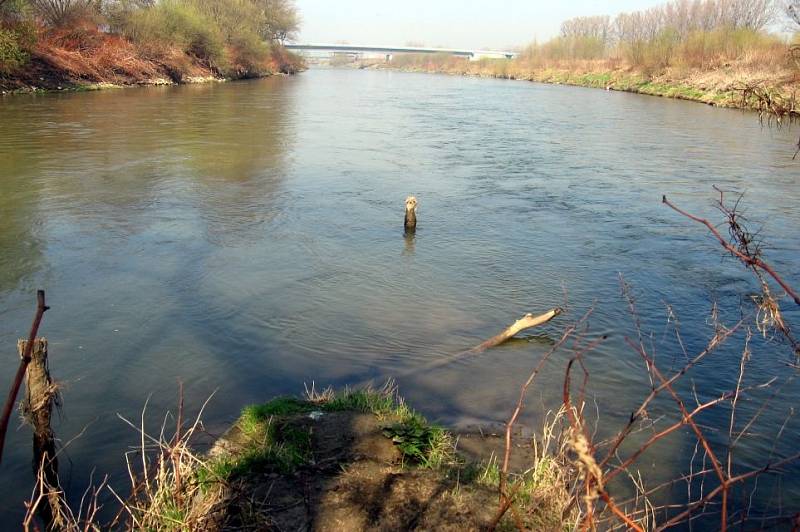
717, 52
718, 88
348, 460
51, 45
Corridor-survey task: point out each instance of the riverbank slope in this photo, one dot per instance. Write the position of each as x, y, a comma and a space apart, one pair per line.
86, 58
354, 460
730, 85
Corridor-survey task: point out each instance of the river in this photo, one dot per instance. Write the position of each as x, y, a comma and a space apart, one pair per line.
247, 238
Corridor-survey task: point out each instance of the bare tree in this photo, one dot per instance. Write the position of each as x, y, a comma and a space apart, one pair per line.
792, 10
280, 20
57, 12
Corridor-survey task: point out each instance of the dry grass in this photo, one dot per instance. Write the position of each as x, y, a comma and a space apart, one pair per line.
710, 67
545, 493
92, 56
161, 472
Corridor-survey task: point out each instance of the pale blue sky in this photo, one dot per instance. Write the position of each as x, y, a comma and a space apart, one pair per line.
457, 23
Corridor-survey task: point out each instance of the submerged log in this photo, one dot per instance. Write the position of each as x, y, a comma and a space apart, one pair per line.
41, 395
526, 322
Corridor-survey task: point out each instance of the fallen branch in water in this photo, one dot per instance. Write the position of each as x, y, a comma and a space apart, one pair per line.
23, 366
526, 322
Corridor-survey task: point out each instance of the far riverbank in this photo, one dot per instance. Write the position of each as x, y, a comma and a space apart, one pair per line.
728, 87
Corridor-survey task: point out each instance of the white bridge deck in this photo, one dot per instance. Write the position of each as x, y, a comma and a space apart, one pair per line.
390, 50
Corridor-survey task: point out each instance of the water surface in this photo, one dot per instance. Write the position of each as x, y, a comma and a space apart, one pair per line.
246, 238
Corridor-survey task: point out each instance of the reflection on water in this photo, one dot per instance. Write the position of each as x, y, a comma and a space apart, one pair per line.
409, 237
245, 238
21, 249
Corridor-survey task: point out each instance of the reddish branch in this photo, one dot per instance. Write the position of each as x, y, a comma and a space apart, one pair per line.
685, 413
726, 486
751, 261
669, 430
718, 340
23, 366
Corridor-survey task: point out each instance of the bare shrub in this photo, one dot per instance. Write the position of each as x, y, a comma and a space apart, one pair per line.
600, 474
63, 12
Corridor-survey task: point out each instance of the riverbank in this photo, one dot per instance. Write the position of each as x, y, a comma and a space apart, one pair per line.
352, 460
88, 59
729, 86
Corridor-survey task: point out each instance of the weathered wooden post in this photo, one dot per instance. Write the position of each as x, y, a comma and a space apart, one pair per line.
41, 308
41, 394
411, 214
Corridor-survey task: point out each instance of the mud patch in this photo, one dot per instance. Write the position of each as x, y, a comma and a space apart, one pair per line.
354, 479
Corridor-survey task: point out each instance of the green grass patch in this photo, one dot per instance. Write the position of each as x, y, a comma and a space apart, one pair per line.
280, 406
173, 516
271, 442
601, 80
382, 404
283, 449
423, 444
285, 456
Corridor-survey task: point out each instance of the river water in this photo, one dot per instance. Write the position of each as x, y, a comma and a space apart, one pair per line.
246, 238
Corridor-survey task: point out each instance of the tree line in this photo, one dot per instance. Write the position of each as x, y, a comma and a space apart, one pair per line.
693, 29
680, 16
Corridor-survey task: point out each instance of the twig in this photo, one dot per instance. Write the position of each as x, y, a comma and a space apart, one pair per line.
593, 473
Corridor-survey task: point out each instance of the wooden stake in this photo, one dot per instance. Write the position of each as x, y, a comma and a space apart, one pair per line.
41, 308
37, 407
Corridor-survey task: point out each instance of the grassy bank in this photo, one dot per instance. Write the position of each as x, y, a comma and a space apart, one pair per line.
98, 44
723, 86
352, 460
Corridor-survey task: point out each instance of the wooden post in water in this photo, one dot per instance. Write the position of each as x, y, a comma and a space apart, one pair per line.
41, 308
37, 407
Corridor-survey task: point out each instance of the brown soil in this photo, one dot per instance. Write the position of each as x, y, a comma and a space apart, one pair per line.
355, 481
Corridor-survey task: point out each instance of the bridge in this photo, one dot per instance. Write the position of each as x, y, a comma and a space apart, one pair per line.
388, 51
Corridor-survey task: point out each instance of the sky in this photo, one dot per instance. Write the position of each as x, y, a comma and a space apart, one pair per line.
472, 24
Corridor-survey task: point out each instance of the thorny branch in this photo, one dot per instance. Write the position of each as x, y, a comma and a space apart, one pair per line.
750, 260
744, 246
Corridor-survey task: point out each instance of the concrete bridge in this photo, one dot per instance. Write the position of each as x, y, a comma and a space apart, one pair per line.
358, 50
